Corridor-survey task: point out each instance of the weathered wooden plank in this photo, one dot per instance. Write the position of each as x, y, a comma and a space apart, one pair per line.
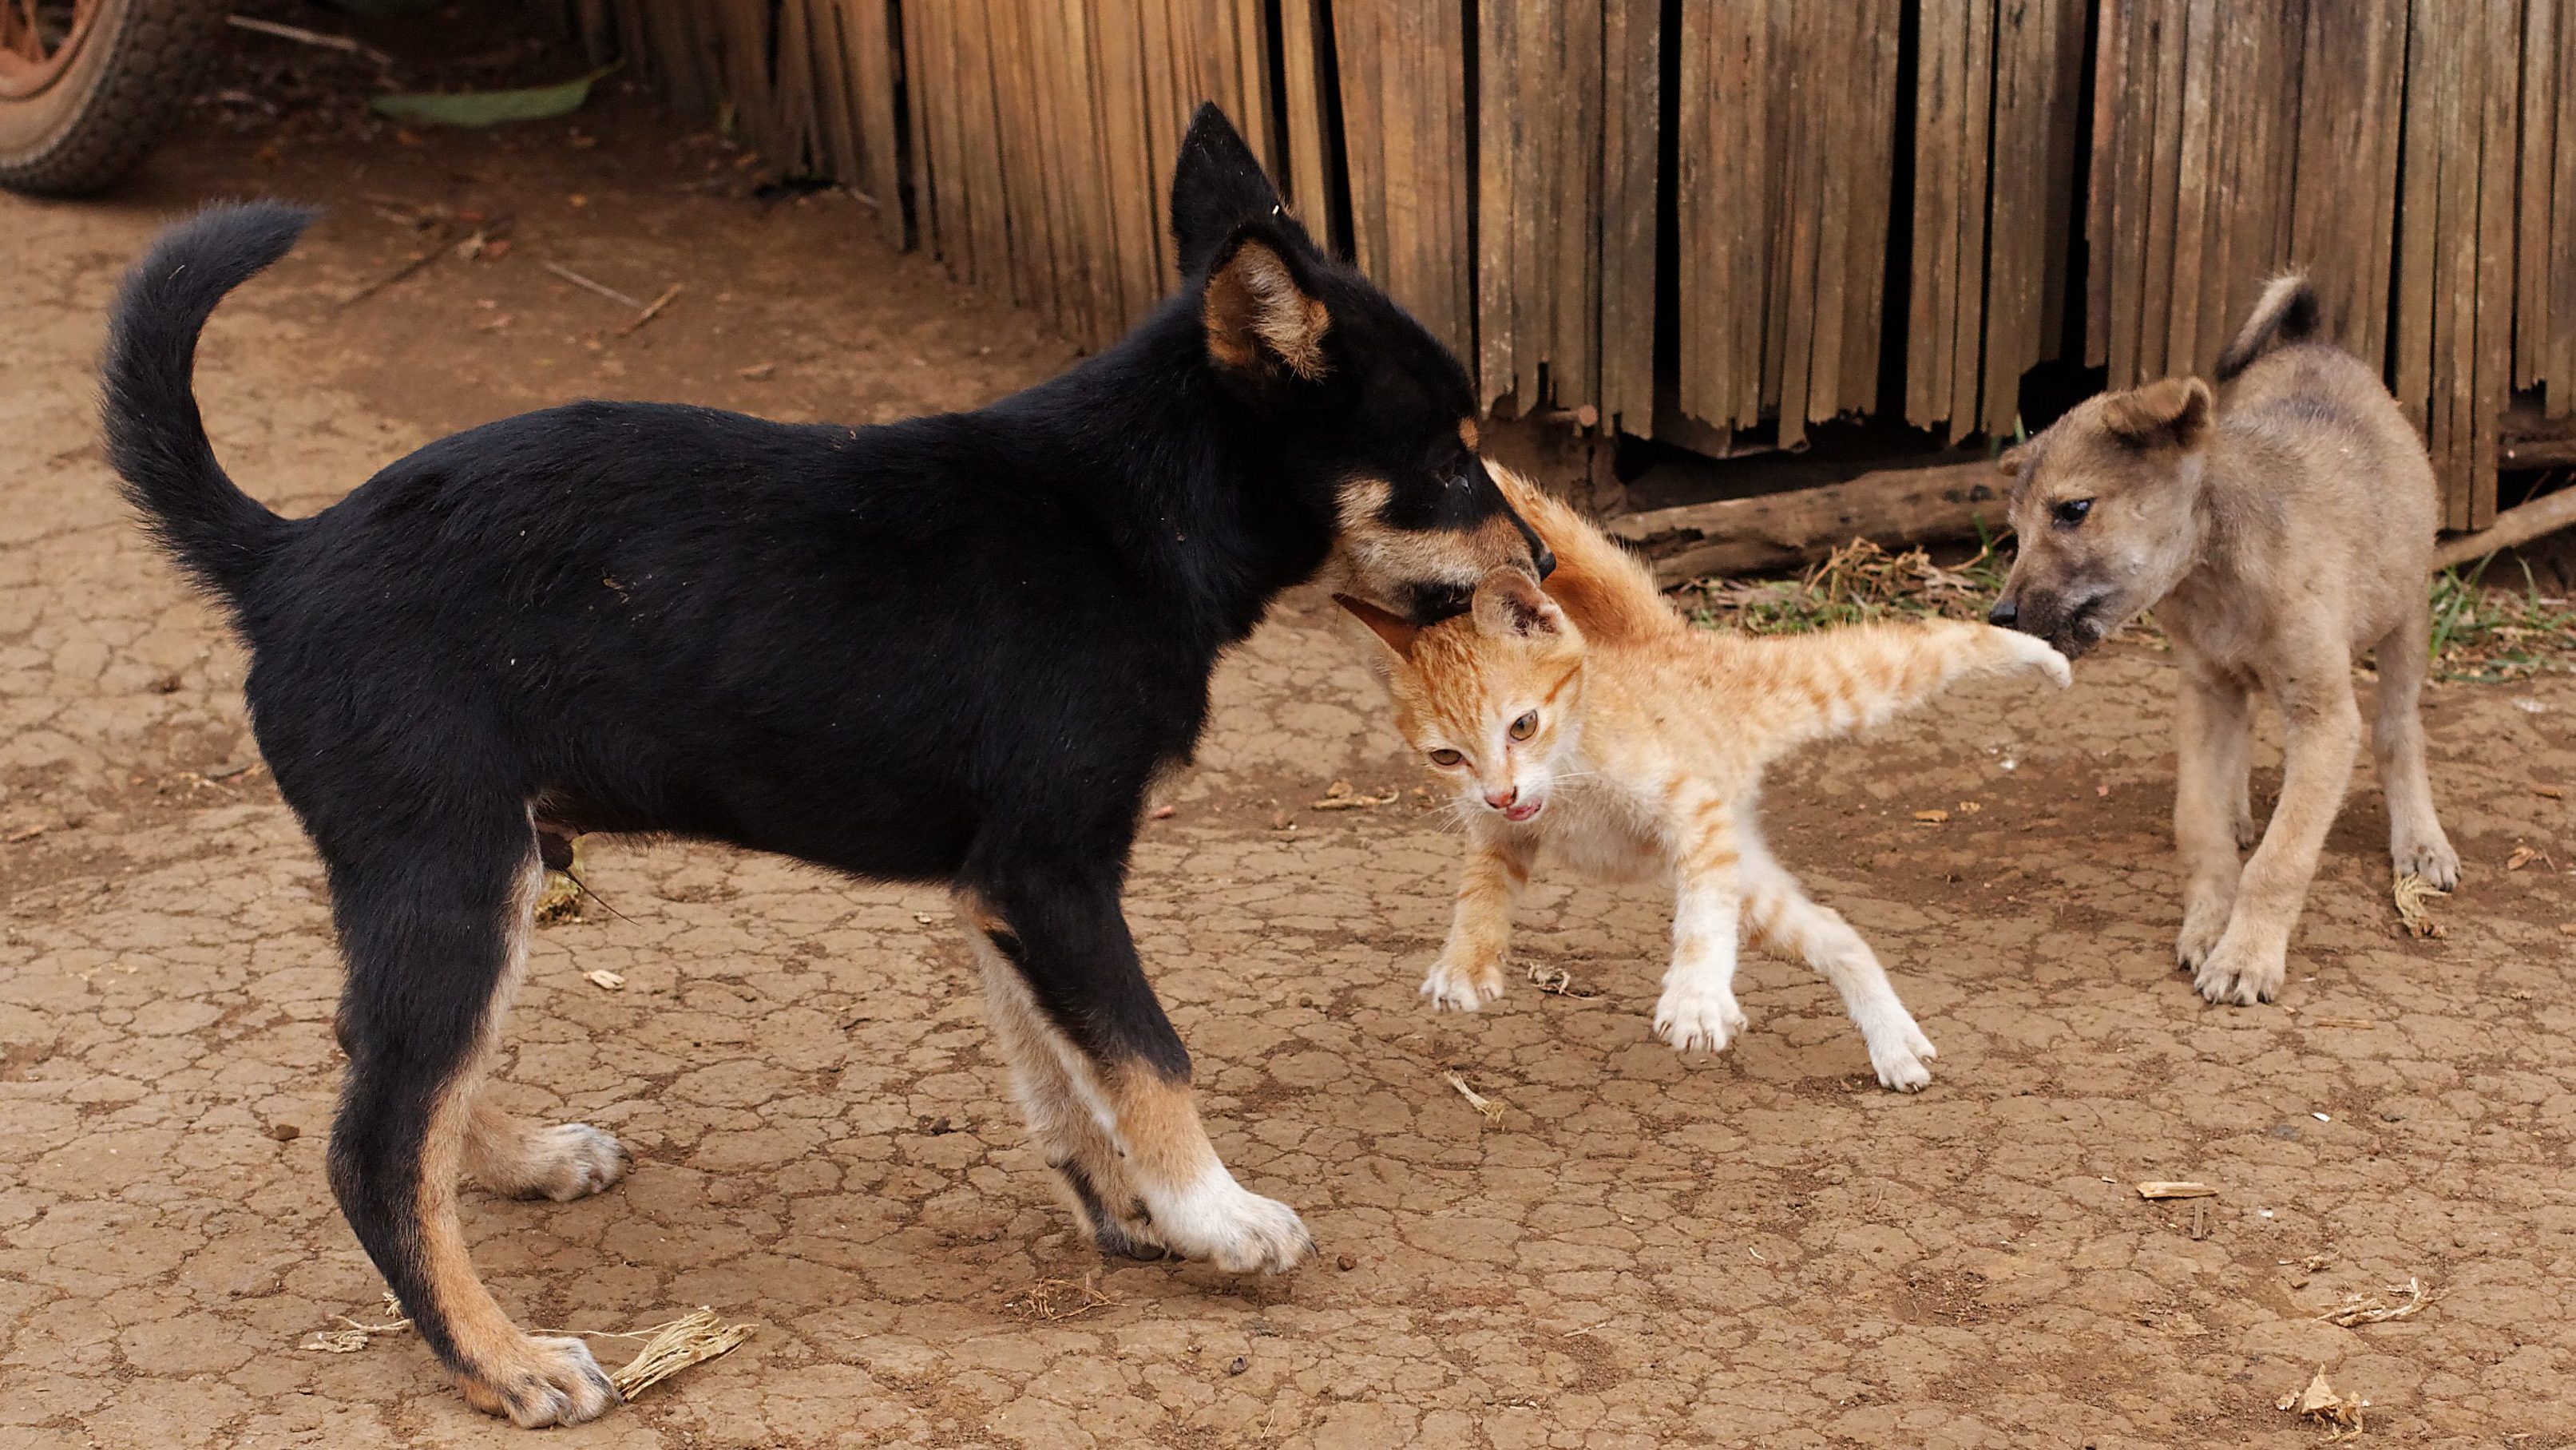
1119, 98
1632, 60
1301, 62
1976, 201
2538, 158
2502, 92
1939, 74
2561, 394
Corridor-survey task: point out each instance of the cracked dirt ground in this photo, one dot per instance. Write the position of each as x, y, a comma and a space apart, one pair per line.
1763, 1249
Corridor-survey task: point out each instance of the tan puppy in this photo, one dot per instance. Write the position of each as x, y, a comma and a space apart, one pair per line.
2277, 530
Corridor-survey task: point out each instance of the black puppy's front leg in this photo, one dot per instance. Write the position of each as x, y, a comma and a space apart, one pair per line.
1103, 1077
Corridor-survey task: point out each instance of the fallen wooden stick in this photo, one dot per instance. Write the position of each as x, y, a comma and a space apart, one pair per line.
650, 312
2517, 525
418, 261
602, 288
1782, 530
302, 36
2157, 1188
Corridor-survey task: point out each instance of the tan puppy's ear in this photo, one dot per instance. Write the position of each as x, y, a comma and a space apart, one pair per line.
1397, 634
1259, 314
2173, 413
2011, 461
1509, 602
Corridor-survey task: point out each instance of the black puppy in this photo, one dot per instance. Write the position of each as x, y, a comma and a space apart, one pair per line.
952, 649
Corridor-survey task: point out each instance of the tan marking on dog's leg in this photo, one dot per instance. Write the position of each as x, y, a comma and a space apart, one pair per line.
2323, 726
1198, 1210
1469, 972
2213, 736
534, 1381
1781, 916
2417, 845
1064, 1116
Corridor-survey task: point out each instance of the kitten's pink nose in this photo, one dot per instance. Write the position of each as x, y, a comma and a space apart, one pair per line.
1502, 798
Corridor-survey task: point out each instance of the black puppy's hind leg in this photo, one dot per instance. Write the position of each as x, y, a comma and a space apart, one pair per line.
1081, 1023
1064, 1120
435, 931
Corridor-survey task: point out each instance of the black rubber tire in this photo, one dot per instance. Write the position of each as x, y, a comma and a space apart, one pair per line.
134, 69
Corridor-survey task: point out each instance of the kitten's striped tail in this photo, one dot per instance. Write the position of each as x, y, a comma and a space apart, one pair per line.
1852, 678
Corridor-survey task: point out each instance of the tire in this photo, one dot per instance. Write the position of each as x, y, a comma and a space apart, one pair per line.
104, 97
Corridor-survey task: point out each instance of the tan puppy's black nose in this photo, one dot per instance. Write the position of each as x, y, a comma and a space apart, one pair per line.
2005, 614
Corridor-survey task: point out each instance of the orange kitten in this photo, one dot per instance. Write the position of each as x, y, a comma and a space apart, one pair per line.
1640, 753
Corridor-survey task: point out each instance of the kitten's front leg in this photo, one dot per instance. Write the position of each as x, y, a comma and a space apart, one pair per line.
1469, 973
1698, 1011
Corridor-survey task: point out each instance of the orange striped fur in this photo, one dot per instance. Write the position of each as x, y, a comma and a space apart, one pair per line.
1591, 724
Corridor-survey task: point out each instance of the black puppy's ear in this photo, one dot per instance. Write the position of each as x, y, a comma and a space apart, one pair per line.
1217, 186
1259, 311
2172, 413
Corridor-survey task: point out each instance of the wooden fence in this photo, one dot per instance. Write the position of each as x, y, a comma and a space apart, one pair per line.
1724, 222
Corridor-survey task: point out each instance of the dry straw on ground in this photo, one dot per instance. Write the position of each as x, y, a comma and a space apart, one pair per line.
2410, 892
1492, 1110
670, 1348
2404, 1302
1053, 1299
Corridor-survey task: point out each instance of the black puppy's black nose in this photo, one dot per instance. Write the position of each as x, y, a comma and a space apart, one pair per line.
2005, 614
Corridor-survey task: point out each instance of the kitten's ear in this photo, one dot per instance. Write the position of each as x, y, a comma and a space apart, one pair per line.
1509, 602
1392, 628
2013, 460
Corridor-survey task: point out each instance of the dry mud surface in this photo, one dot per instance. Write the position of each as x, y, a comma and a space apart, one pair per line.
1760, 1249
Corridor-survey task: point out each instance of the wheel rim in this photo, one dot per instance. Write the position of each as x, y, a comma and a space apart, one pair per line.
38, 39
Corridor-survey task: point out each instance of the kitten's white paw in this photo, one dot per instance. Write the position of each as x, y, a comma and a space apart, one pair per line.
1698, 1019
2040, 655
1455, 988
1899, 1052
1241, 1232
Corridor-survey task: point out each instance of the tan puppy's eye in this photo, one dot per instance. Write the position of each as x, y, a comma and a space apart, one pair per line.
1526, 726
1446, 758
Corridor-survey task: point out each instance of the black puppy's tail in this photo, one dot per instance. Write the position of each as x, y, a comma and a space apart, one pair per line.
2285, 314
155, 439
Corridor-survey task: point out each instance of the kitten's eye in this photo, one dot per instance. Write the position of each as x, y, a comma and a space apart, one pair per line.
1446, 758
1526, 726
2071, 511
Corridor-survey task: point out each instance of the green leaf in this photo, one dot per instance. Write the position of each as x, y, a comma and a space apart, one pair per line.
488, 108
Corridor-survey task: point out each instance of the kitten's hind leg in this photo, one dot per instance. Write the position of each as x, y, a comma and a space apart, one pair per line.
1470, 970
1779, 915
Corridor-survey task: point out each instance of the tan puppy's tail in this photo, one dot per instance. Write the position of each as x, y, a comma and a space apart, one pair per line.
2287, 313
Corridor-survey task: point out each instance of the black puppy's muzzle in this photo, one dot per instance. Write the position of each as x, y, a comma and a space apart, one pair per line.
1427, 604
2005, 615
1542, 557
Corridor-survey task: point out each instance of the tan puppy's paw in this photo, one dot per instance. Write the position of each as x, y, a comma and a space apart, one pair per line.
2203, 924
2234, 975
2432, 859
